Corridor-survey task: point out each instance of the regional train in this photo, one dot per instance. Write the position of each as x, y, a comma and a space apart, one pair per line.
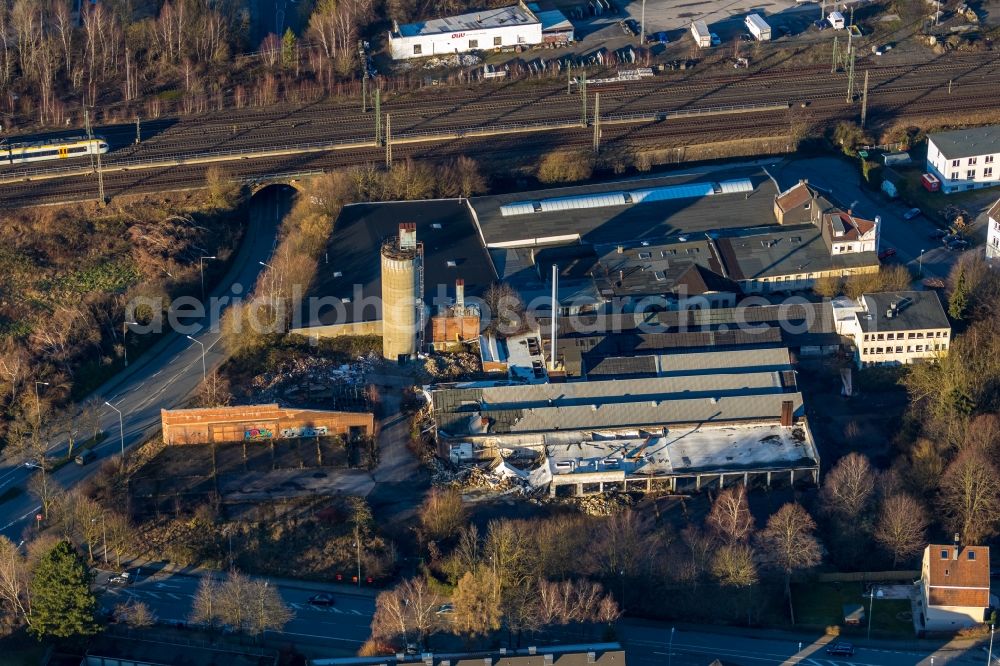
54, 149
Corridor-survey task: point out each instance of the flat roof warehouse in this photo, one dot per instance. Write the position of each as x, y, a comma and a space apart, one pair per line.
486, 239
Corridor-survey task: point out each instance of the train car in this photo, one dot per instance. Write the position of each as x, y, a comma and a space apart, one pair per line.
55, 149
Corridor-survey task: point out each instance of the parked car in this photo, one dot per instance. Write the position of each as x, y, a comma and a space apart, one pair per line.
661, 37
938, 234
887, 253
85, 457
958, 245
445, 609
746, 37
715, 39
321, 599
124, 578
841, 649
912, 213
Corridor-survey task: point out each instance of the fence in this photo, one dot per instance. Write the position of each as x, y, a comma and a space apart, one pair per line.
868, 576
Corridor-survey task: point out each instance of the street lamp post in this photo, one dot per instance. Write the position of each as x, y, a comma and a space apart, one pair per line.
38, 406
871, 607
670, 651
104, 535
201, 268
125, 325
989, 656
920, 263
204, 370
121, 427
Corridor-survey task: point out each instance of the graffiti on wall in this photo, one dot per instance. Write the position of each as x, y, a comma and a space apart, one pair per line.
255, 434
305, 431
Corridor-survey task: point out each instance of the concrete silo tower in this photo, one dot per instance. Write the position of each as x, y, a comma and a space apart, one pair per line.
402, 294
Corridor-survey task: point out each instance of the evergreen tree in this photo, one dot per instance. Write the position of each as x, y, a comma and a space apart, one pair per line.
62, 604
288, 49
959, 300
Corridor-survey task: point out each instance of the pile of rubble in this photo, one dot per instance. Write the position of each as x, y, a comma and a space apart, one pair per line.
497, 476
453, 60
310, 378
603, 505
452, 366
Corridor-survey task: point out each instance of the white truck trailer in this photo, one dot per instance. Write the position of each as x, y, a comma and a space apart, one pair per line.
702, 37
758, 27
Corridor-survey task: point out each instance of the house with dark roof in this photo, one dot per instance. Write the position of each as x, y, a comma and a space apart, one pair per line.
897, 327
965, 159
954, 586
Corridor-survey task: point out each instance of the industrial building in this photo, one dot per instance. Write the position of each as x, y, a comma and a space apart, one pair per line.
511, 26
965, 159
415, 272
252, 423
894, 327
705, 419
348, 294
628, 345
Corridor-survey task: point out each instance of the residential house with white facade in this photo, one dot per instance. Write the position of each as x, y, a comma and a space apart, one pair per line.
965, 159
993, 233
897, 327
954, 586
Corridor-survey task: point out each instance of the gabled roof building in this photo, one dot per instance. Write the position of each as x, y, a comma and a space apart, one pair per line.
954, 586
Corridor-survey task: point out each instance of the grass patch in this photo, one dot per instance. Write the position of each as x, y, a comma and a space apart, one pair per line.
822, 605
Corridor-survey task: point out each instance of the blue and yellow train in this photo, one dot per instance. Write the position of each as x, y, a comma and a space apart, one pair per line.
54, 149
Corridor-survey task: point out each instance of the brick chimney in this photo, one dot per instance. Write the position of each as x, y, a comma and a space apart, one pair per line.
459, 294
408, 235
786, 413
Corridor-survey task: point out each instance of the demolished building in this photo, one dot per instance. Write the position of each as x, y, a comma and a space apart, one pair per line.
705, 420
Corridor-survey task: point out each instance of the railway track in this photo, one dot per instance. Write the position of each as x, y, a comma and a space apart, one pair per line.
895, 91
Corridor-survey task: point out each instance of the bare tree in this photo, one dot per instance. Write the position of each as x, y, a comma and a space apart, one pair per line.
730, 515
901, 527
789, 541
391, 618
970, 496
136, 614
733, 565
13, 578
45, 488
267, 610
119, 534
442, 513
849, 486
205, 606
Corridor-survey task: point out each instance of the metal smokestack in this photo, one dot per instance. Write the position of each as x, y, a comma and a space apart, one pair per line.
460, 296
555, 314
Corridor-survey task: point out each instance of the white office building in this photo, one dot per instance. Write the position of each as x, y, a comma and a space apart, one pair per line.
965, 159
993, 234
515, 25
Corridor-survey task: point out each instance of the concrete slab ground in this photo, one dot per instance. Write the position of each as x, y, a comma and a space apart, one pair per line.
673, 14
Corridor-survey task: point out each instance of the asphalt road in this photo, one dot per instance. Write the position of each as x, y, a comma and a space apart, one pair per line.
162, 378
345, 625
651, 645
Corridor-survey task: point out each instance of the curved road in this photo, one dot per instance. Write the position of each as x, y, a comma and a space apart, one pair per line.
162, 378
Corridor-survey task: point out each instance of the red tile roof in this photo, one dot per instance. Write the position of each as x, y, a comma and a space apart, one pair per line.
959, 581
854, 226
793, 197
